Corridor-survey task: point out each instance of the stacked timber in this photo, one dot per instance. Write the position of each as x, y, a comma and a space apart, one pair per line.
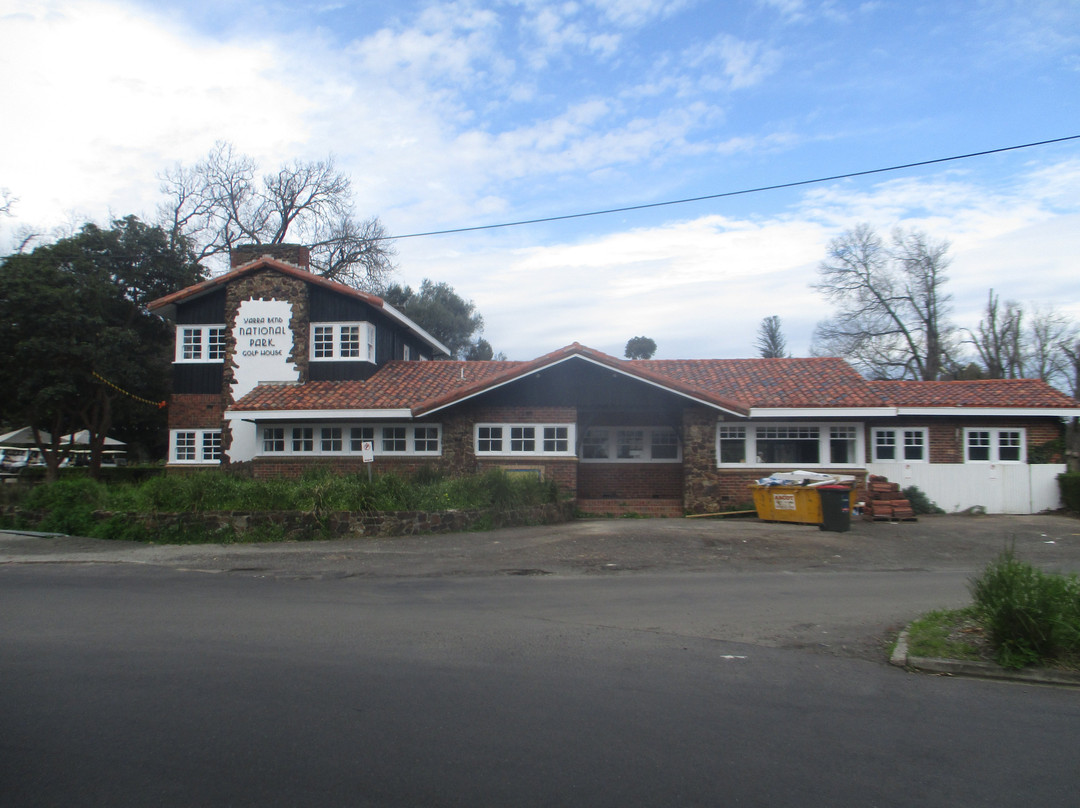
884, 502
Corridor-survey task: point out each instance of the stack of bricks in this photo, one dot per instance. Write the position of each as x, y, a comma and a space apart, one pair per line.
885, 502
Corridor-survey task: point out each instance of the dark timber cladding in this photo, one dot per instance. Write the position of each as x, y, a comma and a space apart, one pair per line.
601, 396
210, 308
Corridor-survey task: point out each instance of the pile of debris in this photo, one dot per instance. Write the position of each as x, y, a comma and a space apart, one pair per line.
884, 502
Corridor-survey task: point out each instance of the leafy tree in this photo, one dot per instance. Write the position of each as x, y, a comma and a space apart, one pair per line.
891, 318
444, 314
219, 203
80, 342
639, 348
770, 342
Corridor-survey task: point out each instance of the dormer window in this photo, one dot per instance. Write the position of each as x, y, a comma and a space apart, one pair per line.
342, 342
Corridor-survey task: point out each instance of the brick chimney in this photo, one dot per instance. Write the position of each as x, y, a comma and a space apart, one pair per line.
296, 254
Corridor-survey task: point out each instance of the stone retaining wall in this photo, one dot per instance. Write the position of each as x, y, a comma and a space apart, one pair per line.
356, 524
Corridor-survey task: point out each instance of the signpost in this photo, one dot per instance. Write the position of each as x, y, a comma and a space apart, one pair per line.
367, 452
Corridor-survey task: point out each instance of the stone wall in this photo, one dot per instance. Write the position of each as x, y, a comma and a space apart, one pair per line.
300, 525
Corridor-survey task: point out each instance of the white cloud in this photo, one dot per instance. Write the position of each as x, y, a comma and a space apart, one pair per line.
102, 91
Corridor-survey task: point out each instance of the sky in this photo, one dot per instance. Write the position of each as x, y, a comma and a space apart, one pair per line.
451, 115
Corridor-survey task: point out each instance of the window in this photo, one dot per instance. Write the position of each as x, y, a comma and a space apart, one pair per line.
524, 439
594, 446
211, 446
359, 435
393, 439
489, 439
640, 444
556, 439
994, 445
303, 439
425, 439
342, 342
273, 439
200, 343
185, 447
330, 439
196, 446
901, 445
732, 444
794, 445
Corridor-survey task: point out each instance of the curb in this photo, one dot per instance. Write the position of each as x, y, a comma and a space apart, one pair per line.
980, 670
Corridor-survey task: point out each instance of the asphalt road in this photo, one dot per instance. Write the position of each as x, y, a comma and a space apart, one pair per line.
666, 662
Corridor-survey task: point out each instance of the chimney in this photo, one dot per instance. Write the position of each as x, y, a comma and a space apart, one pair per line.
296, 254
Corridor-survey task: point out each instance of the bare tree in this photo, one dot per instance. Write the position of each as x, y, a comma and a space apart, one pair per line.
891, 319
1013, 344
220, 203
997, 339
7, 202
770, 342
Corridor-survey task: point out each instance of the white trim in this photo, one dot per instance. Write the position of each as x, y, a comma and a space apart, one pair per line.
1041, 412
823, 439
199, 447
646, 444
204, 343
506, 436
994, 447
260, 416
365, 341
822, 412
404, 320
900, 444
346, 450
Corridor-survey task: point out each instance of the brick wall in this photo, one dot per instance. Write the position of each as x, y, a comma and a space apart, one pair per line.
195, 411
630, 480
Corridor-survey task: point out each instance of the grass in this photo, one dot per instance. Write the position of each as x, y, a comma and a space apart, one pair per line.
948, 634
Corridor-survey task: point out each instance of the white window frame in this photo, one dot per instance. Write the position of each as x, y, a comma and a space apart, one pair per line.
366, 348
901, 435
535, 435
994, 437
623, 446
202, 341
349, 437
824, 439
204, 444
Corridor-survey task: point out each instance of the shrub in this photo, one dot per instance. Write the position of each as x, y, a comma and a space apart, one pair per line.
920, 503
1031, 617
1070, 490
69, 505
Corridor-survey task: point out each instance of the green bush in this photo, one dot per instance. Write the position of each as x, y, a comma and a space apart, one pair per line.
69, 505
1031, 617
1070, 490
920, 503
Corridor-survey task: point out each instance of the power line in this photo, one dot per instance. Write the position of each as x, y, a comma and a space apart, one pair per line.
742, 192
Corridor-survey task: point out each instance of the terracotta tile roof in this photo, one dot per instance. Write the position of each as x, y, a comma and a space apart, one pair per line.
815, 382
1011, 393
736, 385
396, 386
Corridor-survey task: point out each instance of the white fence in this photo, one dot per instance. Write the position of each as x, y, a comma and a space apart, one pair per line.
997, 488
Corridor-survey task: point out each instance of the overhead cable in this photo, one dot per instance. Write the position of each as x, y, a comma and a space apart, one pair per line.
742, 192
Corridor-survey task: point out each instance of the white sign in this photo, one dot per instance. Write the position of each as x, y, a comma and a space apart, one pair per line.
367, 451
783, 502
264, 343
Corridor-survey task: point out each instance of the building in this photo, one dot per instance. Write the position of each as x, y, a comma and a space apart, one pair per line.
282, 369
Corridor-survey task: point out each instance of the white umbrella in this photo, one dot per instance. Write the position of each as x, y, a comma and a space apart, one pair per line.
24, 437
82, 438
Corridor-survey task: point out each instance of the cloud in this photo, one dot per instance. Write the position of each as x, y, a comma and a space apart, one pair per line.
701, 286
102, 89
